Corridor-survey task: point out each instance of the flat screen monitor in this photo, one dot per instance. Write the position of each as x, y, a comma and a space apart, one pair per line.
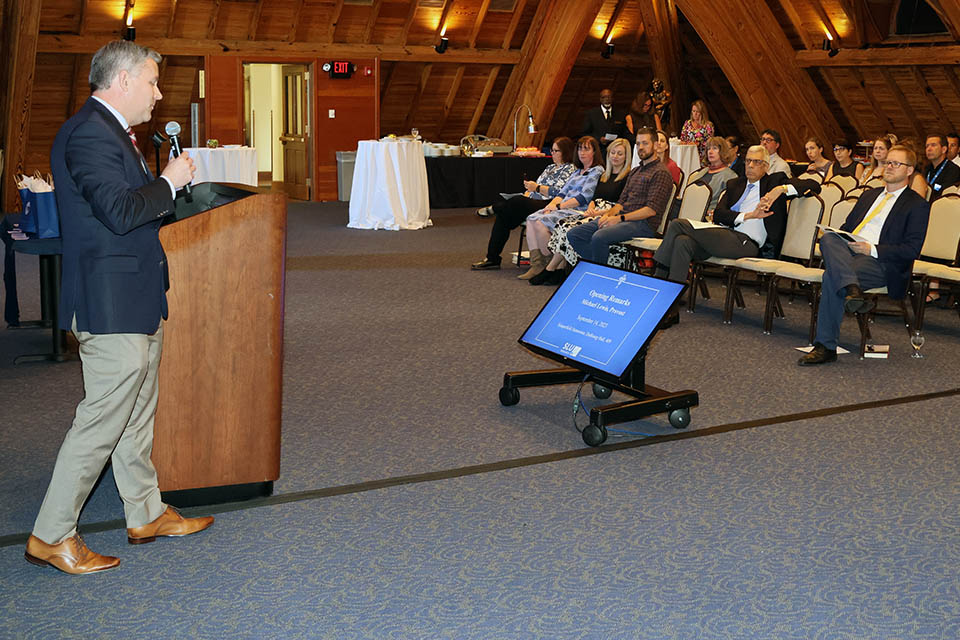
600, 318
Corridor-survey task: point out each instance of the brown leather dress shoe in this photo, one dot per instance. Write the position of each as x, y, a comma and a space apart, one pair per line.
169, 524
71, 556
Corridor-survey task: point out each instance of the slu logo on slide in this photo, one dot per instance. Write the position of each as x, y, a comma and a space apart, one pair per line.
571, 349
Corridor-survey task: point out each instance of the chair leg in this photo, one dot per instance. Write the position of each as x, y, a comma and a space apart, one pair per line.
695, 276
863, 323
523, 234
920, 303
773, 300
814, 309
728, 299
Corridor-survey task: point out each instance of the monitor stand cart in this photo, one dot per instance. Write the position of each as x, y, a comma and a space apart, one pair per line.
649, 400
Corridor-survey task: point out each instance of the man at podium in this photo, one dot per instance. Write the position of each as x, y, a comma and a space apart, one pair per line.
113, 298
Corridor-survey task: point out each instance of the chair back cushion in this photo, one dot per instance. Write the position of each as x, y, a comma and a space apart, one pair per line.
696, 198
840, 211
803, 217
943, 230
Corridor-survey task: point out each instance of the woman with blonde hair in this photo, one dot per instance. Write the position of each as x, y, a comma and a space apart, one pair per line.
881, 146
698, 129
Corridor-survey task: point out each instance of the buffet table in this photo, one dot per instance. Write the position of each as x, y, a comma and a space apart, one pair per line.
389, 188
225, 164
458, 181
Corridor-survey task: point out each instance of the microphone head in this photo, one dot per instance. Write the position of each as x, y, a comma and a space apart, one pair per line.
172, 128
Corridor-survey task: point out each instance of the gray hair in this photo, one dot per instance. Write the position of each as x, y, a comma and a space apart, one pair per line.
117, 56
759, 148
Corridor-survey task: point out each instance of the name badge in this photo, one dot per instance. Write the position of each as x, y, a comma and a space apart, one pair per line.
937, 187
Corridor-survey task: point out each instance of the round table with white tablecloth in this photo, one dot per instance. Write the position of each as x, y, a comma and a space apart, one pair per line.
685, 155
389, 188
225, 164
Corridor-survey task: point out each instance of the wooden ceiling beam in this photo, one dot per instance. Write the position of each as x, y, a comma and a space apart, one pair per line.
65, 43
826, 22
935, 106
214, 17
949, 12
484, 97
882, 57
443, 18
418, 94
411, 14
372, 20
22, 25
617, 10
297, 13
335, 18
514, 21
451, 98
845, 104
171, 18
798, 24
878, 113
254, 21
478, 23
82, 27
905, 107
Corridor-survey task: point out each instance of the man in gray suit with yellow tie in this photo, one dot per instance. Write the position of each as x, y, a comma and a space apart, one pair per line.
114, 300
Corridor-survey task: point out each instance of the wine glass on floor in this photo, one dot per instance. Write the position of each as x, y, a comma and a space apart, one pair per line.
916, 341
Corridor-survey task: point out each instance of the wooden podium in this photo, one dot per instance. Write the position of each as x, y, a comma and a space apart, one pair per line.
217, 433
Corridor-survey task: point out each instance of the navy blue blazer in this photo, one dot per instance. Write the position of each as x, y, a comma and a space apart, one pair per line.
901, 237
114, 269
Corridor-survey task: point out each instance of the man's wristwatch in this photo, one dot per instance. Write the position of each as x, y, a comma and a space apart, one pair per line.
623, 218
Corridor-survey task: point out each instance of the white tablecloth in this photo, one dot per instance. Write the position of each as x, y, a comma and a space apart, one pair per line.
686, 156
390, 186
237, 165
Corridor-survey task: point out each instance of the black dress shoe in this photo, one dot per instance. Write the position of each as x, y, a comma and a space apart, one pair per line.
556, 277
819, 355
485, 265
541, 278
854, 302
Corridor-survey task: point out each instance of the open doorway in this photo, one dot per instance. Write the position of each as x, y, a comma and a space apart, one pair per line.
277, 125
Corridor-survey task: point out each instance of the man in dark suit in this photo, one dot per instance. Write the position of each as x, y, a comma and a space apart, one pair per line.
114, 300
605, 121
940, 173
891, 222
751, 218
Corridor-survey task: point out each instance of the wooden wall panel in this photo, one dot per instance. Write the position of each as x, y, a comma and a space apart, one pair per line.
223, 106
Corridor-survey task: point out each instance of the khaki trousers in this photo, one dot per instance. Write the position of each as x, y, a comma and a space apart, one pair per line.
113, 421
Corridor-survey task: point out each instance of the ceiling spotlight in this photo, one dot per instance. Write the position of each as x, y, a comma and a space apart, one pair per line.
608, 51
444, 43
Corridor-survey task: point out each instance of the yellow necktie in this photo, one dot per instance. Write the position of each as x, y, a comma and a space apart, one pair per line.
873, 213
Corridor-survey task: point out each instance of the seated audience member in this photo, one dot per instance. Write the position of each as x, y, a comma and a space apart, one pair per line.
698, 129
752, 217
940, 173
606, 122
818, 164
552, 178
917, 181
573, 199
880, 148
510, 213
642, 114
636, 214
737, 163
770, 139
953, 148
717, 173
663, 155
845, 164
893, 220
609, 188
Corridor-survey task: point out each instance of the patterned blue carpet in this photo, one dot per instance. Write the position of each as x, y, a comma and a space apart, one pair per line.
838, 526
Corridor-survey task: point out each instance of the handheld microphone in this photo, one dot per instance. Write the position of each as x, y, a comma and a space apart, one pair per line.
173, 132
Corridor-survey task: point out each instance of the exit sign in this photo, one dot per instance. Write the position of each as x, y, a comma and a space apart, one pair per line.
340, 69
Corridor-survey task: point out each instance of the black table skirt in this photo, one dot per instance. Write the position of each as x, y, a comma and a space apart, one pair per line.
457, 181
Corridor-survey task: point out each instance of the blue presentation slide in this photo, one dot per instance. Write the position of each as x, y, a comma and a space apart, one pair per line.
601, 316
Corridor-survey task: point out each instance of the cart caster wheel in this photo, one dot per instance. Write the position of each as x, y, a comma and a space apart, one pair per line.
679, 418
509, 396
594, 435
602, 392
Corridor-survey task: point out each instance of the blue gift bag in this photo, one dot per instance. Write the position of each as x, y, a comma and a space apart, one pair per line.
28, 217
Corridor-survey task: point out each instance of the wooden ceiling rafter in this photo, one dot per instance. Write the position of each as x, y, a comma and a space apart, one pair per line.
638, 37
901, 99
372, 20
931, 99
844, 101
949, 13
82, 25
484, 97
335, 18
798, 25
825, 21
411, 14
612, 22
295, 23
514, 22
478, 23
443, 19
878, 112
214, 18
418, 94
882, 56
663, 41
65, 43
451, 98
254, 21
171, 17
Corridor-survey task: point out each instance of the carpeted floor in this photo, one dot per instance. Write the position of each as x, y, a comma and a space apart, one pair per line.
833, 526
